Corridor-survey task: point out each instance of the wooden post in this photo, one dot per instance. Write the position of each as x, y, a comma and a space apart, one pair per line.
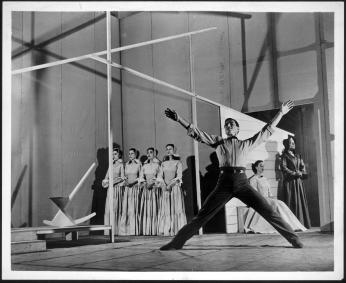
322, 130
194, 121
81, 181
110, 132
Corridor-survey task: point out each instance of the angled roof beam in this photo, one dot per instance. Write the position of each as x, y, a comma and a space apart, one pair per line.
29, 46
154, 80
118, 49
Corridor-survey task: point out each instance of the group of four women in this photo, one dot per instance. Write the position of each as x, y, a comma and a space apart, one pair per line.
147, 198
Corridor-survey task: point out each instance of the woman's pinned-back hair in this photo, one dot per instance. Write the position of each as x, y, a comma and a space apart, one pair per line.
118, 150
254, 165
154, 150
286, 142
135, 151
170, 144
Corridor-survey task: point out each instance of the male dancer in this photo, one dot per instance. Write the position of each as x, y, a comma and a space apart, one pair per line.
232, 154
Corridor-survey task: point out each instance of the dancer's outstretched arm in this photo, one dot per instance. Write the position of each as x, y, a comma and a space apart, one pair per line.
197, 134
285, 108
172, 114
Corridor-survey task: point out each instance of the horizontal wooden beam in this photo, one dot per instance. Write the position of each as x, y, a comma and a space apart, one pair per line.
118, 49
228, 14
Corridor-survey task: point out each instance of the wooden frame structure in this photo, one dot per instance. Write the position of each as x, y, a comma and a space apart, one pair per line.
110, 64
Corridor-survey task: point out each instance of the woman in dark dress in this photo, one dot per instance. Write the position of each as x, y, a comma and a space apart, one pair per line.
294, 171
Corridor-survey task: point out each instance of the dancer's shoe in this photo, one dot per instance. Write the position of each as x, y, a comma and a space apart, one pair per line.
297, 244
170, 247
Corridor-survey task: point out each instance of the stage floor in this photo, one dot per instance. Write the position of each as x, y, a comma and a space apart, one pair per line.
210, 252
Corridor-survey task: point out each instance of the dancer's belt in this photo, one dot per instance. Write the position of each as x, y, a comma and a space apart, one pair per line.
232, 170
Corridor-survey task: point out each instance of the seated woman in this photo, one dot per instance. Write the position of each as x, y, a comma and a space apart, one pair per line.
118, 190
172, 214
129, 222
254, 223
150, 193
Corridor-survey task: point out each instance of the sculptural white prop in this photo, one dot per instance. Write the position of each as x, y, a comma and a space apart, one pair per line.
62, 218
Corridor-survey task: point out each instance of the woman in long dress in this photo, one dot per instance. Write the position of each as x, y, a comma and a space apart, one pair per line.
294, 171
255, 223
172, 214
118, 190
150, 193
129, 222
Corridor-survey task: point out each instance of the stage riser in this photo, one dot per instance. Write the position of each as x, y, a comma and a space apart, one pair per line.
28, 246
18, 236
32, 239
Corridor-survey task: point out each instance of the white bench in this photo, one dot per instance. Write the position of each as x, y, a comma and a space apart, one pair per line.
71, 232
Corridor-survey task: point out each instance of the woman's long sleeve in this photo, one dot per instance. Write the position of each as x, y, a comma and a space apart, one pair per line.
285, 169
107, 175
139, 171
105, 181
122, 172
302, 166
122, 175
179, 172
159, 178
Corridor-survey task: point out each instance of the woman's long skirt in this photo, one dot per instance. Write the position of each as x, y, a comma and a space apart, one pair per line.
255, 223
172, 214
178, 213
129, 220
164, 216
118, 192
295, 198
149, 210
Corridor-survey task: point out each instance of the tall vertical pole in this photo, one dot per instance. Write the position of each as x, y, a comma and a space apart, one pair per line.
324, 156
194, 121
110, 132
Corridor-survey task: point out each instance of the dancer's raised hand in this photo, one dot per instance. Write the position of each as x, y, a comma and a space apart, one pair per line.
170, 113
286, 106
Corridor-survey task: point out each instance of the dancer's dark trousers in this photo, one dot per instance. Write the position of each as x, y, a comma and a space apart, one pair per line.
231, 185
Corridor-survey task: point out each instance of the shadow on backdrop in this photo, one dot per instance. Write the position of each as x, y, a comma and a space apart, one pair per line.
218, 223
272, 148
189, 188
143, 158
16, 191
100, 193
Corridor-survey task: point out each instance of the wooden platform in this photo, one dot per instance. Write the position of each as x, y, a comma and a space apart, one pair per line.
31, 239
